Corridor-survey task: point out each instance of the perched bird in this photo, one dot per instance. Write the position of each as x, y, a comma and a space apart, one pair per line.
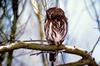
55, 28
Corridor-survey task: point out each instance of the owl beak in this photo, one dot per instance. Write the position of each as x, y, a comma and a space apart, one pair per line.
50, 16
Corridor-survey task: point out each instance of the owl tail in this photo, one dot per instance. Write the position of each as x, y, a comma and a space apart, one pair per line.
52, 57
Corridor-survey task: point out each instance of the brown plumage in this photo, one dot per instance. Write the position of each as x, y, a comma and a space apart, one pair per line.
55, 27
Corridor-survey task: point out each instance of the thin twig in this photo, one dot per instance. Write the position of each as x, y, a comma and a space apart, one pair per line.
62, 58
97, 19
95, 45
57, 2
38, 53
87, 8
44, 4
22, 28
22, 54
96, 14
23, 7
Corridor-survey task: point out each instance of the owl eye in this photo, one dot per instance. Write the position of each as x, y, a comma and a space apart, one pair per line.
53, 16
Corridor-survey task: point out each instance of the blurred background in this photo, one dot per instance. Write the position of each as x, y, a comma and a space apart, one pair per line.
83, 28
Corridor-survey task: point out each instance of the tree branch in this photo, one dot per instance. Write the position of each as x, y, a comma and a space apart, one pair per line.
78, 63
86, 57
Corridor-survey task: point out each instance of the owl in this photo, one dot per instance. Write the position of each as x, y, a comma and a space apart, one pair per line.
55, 28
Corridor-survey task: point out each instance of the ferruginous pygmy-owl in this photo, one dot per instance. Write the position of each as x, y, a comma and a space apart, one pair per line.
55, 27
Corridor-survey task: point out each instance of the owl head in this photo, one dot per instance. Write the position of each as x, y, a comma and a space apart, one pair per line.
54, 12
